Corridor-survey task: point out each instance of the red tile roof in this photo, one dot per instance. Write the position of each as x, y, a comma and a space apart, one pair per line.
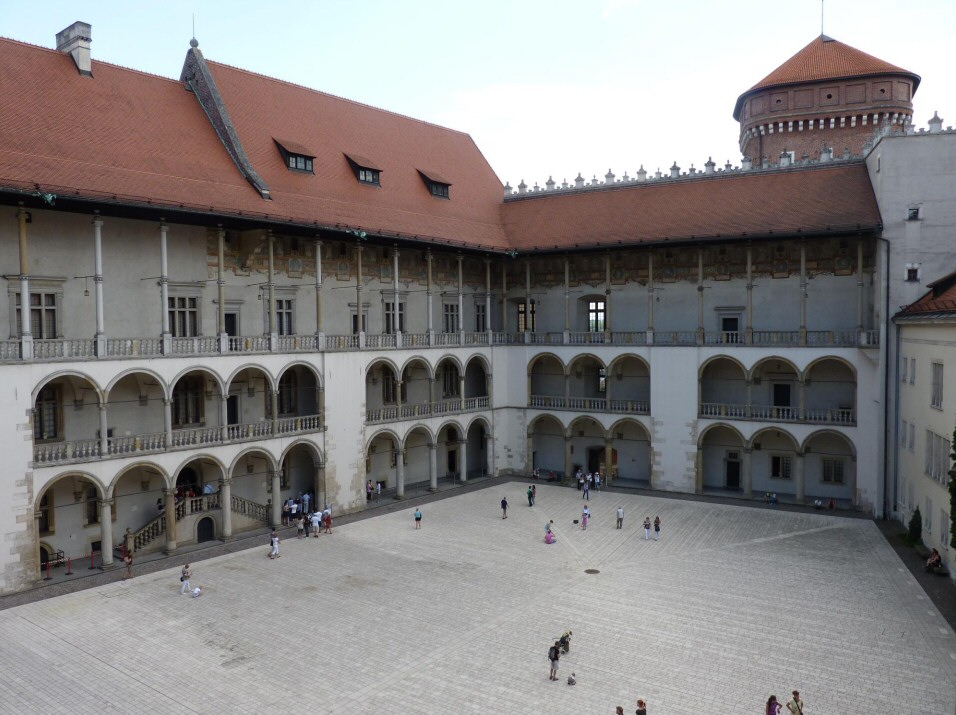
780, 202
941, 298
823, 59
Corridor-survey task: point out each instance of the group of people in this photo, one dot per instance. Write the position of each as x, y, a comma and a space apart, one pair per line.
586, 481
641, 708
292, 509
311, 524
794, 705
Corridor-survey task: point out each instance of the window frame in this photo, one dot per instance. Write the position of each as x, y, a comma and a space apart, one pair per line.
38, 286
833, 470
936, 390
781, 466
522, 323
54, 402
597, 315
450, 318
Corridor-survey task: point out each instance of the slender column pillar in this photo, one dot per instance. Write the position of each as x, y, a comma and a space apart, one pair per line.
567, 300
106, 532
164, 288
100, 338
700, 296
104, 431
398, 399
317, 489
26, 337
488, 299
224, 417
170, 495
859, 286
803, 293
396, 326
276, 497
607, 298
802, 398
431, 393
399, 474
798, 477
432, 467
273, 336
528, 311
461, 389
429, 295
567, 387
650, 298
274, 398
567, 456
504, 298
225, 504
490, 454
747, 469
319, 324
168, 421
608, 461
463, 460
750, 297
221, 289
461, 299
360, 328
529, 452
750, 395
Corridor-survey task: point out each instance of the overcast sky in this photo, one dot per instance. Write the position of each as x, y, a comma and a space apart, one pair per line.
545, 88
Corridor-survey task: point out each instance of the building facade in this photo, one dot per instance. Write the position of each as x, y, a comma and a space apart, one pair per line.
230, 306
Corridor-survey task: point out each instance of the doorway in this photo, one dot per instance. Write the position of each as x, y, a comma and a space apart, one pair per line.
232, 324
205, 530
232, 410
732, 470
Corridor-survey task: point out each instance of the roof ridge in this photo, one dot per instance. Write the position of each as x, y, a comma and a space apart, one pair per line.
336, 96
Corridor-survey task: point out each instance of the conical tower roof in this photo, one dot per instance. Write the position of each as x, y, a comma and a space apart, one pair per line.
825, 58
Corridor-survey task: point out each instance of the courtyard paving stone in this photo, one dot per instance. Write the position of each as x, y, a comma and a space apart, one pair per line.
732, 604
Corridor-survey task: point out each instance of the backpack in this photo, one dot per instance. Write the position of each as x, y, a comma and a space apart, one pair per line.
553, 653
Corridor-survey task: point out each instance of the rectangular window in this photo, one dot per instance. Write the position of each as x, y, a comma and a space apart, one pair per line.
388, 387
43, 315
481, 320
46, 520
390, 317
525, 323
284, 309
912, 438
903, 370
833, 471
92, 506
369, 176
903, 432
450, 318
596, 316
46, 415
936, 398
300, 163
780, 466
187, 404
912, 371
439, 190
928, 516
183, 316
451, 386
943, 528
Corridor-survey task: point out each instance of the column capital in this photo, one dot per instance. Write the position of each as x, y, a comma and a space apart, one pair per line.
98, 221
105, 502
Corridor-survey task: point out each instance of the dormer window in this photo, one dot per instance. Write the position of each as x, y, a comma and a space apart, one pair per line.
295, 156
438, 186
365, 170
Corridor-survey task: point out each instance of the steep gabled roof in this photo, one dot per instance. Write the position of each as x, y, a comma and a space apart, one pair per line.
825, 59
810, 200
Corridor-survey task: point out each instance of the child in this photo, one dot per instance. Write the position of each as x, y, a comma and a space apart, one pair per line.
197, 592
572, 680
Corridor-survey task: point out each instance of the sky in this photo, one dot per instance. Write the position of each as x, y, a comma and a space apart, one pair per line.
545, 88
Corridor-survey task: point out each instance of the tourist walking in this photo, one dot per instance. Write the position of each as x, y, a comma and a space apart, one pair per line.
587, 488
641, 707
184, 577
504, 507
128, 560
597, 481
647, 528
554, 655
274, 543
795, 705
534, 494
327, 516
316, 523
620, 517
368, 491
657, 528
773, 707
418, 518
585, 515
530, 497
307, 524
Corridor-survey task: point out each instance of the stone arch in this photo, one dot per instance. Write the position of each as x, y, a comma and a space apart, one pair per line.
450, 357
546, 379
830, 459
830, 391
154, 468
586, 439
205, 371
381, 458
60, 431
272, 462
773, 461
479, 357
828, 358
137, 373
417, 379
251, 372
721, 459
448, 439
546, 445
722, 388
631, 455
587, 377
418, 359
546, 355
719, 358
303, 364
201, 457
623, 358
66, 514
785, 364
547, 416
71, 377
312, 446
416, 450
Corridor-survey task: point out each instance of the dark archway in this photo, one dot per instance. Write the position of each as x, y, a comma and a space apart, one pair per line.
205, 530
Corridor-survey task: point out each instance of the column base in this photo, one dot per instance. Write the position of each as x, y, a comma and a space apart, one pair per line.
170, 549
433, 489
399, 497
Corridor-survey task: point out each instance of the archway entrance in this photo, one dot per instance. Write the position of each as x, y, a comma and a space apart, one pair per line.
205, 530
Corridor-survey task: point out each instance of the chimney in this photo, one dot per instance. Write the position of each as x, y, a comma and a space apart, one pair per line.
75, 41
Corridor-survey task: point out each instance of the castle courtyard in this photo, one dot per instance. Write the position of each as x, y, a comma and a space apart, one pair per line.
732, 604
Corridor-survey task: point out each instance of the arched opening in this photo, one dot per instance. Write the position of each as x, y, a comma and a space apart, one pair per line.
135, 408
476, 383
721, 459
546, 446
830, 393
587, 446
448, 386
830, 468
449, 442
630, 454
66, 421
417, 388
774, 462
476, 448
194, 411
417, 451
723, 389
382, 392
68, 521
197, 493
205, 530
547, 382
588, 382
299, 475
774, 394
629, 386
298, 400
249, 403
139, 504
380, 460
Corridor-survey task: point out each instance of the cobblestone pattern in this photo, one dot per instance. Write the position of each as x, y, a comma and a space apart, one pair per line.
732, 604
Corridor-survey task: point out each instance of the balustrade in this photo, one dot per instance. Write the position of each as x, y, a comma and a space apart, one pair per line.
139, 443
53, 452
306, 423
256, 511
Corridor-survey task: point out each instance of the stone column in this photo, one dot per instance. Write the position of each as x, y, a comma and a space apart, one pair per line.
170, 495
164, 288
26, 337
276, 497
749, 337
273, 335
461, 300
104, 431
490, 454
567, 456
608, 460
650, 298
274, 400
431, 394
607, 298
860, 295
359, 327
100, 338
429, 296
317, 489
700, 296
801, 397
398, 399
432, 467
399, 474
319, 325
803, 293
504, 298
106, 532
528, 312
463, 460
221, 289
746, 467
461, 390
799, 479
225, 504
223, 417
567, 300
396, 326
488, 300
168, 421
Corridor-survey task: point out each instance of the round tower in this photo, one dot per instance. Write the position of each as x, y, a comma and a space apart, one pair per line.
828, 94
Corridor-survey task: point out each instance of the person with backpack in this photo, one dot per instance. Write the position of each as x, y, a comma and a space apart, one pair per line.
554, 654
